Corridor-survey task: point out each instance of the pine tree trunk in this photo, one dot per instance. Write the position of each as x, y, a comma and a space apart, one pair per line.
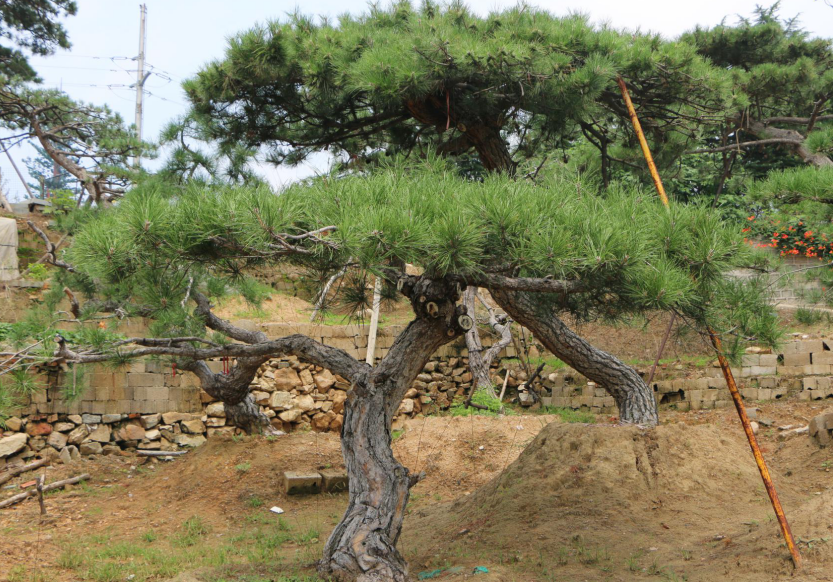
491, 148
362, 546
478, 367
247, 415
633, 397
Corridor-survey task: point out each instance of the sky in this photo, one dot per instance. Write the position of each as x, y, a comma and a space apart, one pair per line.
182, 35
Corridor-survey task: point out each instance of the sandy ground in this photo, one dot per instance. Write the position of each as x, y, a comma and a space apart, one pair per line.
583, 502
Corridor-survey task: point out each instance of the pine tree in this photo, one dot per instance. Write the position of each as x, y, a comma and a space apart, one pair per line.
441, 79
31, 26
165, 252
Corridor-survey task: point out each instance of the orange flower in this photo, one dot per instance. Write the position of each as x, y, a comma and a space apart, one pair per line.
809, 233
747, 229
750, 217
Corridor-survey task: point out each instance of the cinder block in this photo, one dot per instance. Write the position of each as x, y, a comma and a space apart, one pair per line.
748, 360
768, 359
333, 481
763, 370
809, 346
799, 359
817, 369
144, 379
297, 483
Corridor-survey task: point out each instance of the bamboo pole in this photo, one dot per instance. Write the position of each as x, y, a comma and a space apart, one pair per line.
724, 364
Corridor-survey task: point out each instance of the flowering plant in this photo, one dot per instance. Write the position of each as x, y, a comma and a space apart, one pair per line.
790, 238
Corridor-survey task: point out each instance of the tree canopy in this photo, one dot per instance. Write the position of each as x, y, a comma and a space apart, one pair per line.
514, 84
31, 26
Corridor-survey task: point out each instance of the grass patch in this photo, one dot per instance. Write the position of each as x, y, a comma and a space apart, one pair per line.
481, 397
243, 467
549, 362
570, 415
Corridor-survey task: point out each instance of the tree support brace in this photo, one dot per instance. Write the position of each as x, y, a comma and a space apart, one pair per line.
724, 364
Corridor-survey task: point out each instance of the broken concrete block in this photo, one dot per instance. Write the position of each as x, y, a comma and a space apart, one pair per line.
333, 481
297, 483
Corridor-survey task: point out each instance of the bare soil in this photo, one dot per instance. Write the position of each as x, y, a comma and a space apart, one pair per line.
582, 502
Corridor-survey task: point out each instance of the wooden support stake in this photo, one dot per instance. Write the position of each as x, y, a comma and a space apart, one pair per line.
724, 364
39, 486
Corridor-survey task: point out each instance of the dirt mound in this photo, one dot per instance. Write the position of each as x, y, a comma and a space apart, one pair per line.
681, 501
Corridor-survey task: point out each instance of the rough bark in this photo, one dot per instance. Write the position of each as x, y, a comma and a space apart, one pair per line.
633, 397
480, 360
491, 148
362, 546
233, 390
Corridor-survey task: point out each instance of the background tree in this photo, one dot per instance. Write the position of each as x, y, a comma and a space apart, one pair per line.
31, 26
512, 85
167, 251
519, 84
90, 142
42, 171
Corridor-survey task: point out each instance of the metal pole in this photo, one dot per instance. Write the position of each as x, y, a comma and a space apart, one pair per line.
724, 364
140, 77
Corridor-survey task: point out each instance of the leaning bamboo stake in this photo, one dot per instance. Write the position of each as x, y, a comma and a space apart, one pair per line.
724, 364
32, 492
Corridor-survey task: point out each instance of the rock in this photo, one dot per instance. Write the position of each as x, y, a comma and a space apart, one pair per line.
38, 428
172, 417
752, 413
78, 435
406, 406
12, 444
338, 401
151, 420
755, 427
306, 377
91, 448
412, 393
150, 445
75, 419
195, 426
69, 453
63, 426
324, 380
185, 440
261, 398
296, 483
337, 423
286, 379
321, 421
305, 402
290, 415
37, 443
131, 431
111, 450
153, 434
101, 434
213, 422
57, 440
110, 418
526, 399
91, 418
14, 424
280, 400
820, 428
215, 409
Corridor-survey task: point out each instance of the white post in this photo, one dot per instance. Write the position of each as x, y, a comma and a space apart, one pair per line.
374, 322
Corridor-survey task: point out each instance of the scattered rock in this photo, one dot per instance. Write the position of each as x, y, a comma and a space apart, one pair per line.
195, 426
185, 440
38, 428
151, 420
215, 409
14, 424
280, 400
57, 440
78, 435
91, 448
100, 434
91, 418
12, 444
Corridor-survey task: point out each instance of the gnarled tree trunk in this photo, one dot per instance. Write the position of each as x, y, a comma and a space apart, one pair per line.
480, 360
633, 397
362, 546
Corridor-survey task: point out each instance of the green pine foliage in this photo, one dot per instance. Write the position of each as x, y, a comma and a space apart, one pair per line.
630, 253
441, 78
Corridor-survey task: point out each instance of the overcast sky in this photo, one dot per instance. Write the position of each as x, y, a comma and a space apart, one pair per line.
182, 35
